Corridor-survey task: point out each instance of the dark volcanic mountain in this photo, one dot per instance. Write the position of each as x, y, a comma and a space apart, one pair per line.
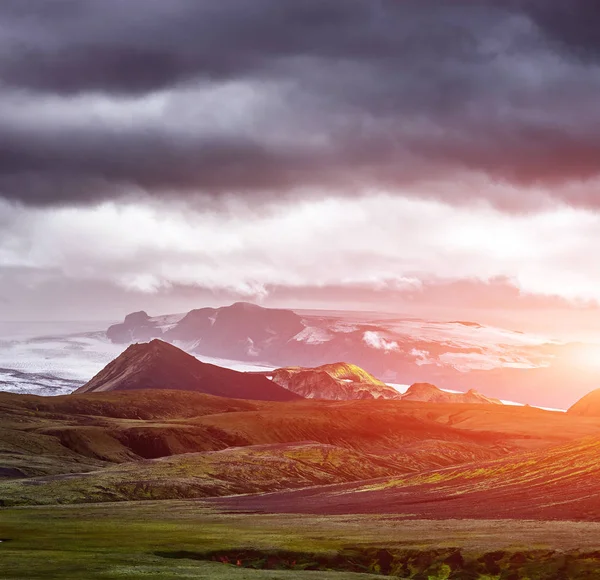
334, 382
159, 365
427, 393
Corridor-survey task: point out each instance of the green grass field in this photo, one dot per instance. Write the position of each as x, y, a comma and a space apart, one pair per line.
163, 540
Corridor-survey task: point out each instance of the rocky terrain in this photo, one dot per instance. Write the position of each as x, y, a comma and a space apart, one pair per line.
336, 382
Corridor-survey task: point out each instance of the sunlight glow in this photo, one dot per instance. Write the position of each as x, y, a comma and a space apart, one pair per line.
586, 357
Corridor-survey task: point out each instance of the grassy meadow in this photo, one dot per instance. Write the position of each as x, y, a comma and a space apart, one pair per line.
177, 539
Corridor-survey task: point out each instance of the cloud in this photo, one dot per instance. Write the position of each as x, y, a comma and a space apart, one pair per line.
376, 341
106, 100
572, 26
388, 245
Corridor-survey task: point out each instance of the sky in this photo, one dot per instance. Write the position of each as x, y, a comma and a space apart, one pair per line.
424, 157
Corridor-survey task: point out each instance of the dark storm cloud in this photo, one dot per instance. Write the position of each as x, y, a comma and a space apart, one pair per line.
136, 46
377, 93
573, 24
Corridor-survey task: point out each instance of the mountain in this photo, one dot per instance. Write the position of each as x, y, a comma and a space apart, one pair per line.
159, 365
427, 393
394, 349
336, 382
588, 406
241, 331
345, 382
137, 326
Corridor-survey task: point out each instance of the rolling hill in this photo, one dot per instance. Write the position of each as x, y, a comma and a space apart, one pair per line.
560, 483
209, 445
196, 475
588, 406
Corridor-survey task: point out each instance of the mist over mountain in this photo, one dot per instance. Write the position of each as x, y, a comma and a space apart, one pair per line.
453, 355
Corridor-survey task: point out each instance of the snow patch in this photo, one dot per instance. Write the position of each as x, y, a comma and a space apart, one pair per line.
313, 335
376, 341
398, 387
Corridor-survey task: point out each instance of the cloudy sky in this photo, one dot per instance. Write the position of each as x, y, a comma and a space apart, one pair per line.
418, 156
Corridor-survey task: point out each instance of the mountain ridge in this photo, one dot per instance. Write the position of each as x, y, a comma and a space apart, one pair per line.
160, 365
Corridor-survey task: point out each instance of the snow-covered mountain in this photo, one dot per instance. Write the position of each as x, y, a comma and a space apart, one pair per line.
454, 355
457, 355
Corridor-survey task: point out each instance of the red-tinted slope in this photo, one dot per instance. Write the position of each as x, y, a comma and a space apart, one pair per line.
560, 483
588, 406
159, 365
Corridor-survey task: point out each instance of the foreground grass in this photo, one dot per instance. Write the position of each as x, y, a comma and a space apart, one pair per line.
122, 542
163, 540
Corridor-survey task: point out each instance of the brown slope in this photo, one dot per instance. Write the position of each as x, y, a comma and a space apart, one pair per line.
387, 426
139, 405
237, 470
588, 406
51, 435
122, 426
159, 365
559, 483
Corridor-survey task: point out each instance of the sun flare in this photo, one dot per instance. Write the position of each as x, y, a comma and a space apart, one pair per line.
586, 357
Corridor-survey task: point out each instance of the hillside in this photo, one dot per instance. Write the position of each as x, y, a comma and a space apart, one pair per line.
558, 483
588, 406
266, 446
346, 382
159, 365
427, 393
335, 382
219, 473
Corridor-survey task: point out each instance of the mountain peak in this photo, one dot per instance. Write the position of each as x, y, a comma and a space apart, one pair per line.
160, 365
246, 306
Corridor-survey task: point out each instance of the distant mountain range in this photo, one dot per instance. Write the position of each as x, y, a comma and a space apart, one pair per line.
455, 355
239, 332
426, 393
160, 365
